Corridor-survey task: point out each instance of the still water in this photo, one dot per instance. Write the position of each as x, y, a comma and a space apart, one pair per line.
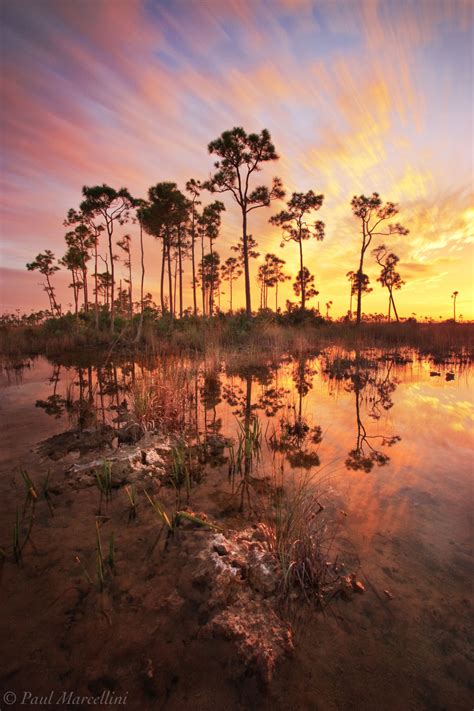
390, 434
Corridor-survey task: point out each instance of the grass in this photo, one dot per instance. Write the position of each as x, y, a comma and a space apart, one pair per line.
243, 458
171, 522
295, 332
31, 492
297, 533
131, 493
163, 402
103, 480
180, 474
104, 564
18, 544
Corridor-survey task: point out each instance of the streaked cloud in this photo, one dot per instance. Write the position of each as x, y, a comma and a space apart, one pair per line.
358, 97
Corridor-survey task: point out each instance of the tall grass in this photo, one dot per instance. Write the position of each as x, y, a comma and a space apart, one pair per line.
163, 401
265, 332
295, 530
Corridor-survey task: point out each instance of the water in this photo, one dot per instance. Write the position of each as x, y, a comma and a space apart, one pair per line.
392, 442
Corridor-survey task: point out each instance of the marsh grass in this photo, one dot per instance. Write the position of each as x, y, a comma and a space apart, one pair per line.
103, 480
171, 522
301, 538
163, 401
104, 564
245, 457
19, 541
180, 471
132, 497
31, 496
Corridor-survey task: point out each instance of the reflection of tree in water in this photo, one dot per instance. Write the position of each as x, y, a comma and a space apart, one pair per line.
296, 437
91, 393
210, 392
373, 390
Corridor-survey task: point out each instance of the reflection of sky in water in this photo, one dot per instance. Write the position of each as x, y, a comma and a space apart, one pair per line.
427, 470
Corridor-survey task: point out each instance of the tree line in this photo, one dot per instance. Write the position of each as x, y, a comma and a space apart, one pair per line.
188, 230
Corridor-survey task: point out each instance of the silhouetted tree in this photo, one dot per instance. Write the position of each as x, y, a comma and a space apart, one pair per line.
241, 155
165, 209
209, 273
270, 274
389, 277
305, 280
125, 246
85, 221
110, 206
356, 280
194, 187
44, 264
140, 205
328, 306
209, 223
81, 241
293, 222
454, 296
371, 213
230, 271
72, 260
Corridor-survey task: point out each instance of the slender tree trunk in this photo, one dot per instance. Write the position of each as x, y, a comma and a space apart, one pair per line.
350, 303
276, 296
359, 285
112, 275
162, 280
52, 298
75, 291
248, 301
96, 295
230, 284
211, 288
170, 278
303, 280
389, 305
180, 261
142, 282
86, 289
175, 282
130, 289
193, 262
203, 286
394, 307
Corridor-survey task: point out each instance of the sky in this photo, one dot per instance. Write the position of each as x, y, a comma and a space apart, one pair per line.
359, 96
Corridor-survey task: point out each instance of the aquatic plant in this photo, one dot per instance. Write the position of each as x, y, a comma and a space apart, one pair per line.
31, 493
180, 471
103, 480
171, 522
18, 544
104, 563
300, 537
131, 493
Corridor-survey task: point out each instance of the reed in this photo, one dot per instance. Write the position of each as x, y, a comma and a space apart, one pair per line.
31, 496
171, 522
131, 493
103, 480
104, 564
300, 537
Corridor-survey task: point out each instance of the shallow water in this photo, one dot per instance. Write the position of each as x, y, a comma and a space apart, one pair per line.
391, 443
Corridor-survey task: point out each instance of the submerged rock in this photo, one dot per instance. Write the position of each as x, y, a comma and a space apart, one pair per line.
242, 578
82, 441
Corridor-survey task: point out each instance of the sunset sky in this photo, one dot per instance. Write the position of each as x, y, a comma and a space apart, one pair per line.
358, 97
